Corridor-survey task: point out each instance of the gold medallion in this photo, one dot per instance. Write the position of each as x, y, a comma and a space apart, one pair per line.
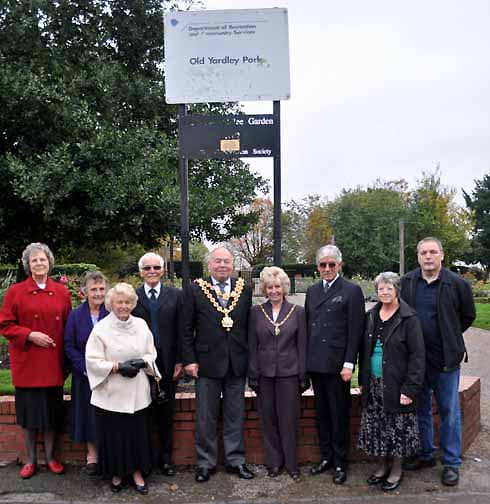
227, 322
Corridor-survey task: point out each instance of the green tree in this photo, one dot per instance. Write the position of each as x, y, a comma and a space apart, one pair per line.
87, 143
479, 203
365, 225
433, 212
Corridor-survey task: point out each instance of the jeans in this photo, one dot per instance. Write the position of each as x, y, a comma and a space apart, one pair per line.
444, 385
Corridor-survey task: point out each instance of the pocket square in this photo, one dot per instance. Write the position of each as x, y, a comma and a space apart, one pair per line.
337, 299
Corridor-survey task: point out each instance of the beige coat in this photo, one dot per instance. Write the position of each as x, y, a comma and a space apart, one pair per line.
113, 340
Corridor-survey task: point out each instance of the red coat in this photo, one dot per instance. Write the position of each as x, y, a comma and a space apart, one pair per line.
28, 308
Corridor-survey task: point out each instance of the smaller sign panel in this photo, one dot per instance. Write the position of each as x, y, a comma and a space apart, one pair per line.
223, 137
226, 55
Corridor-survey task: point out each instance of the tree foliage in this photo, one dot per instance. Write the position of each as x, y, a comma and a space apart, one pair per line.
479, 203
87, 143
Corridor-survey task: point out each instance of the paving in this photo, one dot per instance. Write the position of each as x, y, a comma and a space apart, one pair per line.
417, 487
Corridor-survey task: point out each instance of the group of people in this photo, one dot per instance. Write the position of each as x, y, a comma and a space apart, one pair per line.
126, 349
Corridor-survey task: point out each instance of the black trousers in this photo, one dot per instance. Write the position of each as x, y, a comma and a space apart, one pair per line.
332, 404
279, 408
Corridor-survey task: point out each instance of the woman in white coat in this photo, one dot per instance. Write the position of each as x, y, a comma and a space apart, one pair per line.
119, 352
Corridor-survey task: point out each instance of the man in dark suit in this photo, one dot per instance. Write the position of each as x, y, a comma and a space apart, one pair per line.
215, 352
335, 318
160, 306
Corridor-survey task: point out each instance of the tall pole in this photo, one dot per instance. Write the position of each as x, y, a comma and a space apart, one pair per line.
401, 233
184, 208
277, 185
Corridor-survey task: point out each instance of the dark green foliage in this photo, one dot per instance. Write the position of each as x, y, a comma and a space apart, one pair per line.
479, 203
87, 143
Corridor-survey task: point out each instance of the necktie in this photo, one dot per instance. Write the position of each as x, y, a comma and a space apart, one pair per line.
153, 295
326, 287
222, 287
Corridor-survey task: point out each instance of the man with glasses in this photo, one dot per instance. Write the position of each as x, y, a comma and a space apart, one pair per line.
445, 308
335, 316
161, 307
215, 353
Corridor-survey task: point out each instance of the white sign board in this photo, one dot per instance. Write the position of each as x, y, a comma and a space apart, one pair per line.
226, 55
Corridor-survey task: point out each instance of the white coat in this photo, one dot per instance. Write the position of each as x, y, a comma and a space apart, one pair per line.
113, 340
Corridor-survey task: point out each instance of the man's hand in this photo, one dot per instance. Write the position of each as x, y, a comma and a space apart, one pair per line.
405, 400
346, 374
41, 339
178, 371
192, 369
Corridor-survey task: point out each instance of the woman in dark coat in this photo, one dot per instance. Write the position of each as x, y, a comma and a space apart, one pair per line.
392, 366
32, 318
78, 327
277, 369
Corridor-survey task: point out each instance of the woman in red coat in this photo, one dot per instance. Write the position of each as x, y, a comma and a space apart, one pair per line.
32, 318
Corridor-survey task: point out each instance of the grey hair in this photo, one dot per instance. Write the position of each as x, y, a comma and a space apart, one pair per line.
271, 273
225, 246
26, 255
329, 251
429, 239
92, 276
124, 289
150, 255
388, 277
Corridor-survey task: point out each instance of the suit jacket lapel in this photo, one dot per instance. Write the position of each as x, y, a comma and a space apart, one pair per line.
143, 297
163, 297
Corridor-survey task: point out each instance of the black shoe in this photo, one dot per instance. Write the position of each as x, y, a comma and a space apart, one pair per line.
116, 488
273, 472
242, 470
203, 474
340, 476
450, 476
168, 470
322, 466
375, 479
414, 464
141, 489
295, 476
91, 469
388, 486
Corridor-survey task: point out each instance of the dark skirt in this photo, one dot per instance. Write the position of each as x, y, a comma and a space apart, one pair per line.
82, 414
387, 434
123, 442
39, 408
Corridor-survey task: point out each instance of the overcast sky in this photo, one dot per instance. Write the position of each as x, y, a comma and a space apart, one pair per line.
381, 89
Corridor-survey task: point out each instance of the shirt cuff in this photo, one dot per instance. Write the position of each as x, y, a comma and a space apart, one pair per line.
348, 365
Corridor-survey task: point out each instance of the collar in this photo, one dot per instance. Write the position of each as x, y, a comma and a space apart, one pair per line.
330, 283
157, 288
227, 282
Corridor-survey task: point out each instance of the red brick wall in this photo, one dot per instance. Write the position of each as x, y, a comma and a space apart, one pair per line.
12, 444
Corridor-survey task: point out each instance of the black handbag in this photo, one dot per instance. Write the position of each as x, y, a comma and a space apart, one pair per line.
158, 395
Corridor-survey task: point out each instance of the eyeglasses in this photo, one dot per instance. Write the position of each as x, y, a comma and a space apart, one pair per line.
148, 268
329, 264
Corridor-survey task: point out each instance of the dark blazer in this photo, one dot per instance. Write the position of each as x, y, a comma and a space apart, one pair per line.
281, 355
455, 311
403, 358
335, 322
77, 330
207, 342
169, 313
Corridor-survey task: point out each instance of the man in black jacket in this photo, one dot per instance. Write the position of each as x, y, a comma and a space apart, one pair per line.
445, 308
335, 318
160, 306
215, 352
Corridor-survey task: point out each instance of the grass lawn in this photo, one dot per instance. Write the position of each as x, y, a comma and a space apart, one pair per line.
482, 316
6, 387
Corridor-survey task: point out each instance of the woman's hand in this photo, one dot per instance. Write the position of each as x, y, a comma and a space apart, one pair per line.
192, 369
405, 400
40, 339
178, 371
